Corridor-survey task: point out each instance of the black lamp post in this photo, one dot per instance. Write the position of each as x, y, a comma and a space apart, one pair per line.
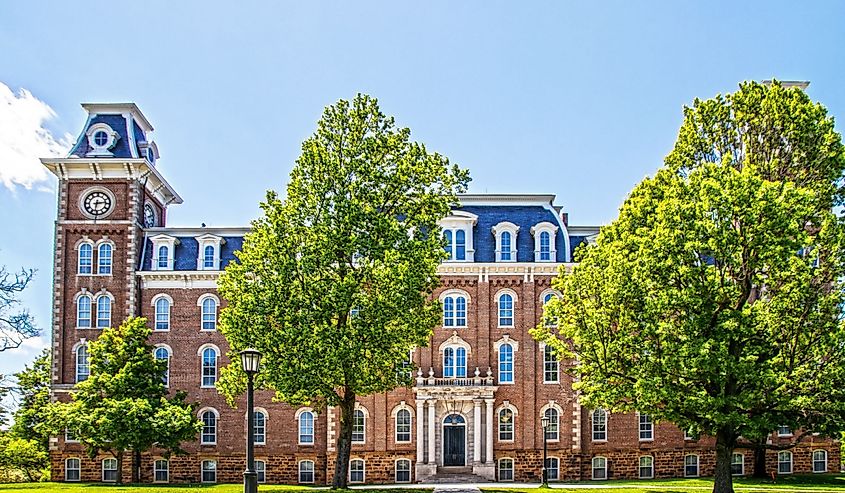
250, 360
545, 422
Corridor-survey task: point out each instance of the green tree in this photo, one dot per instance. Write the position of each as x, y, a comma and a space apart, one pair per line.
16, 325
714, 301
34, 389
27, 456
333, 282
124, 404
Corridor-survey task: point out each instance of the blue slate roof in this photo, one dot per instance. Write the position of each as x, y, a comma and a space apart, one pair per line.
187, 252
121, 147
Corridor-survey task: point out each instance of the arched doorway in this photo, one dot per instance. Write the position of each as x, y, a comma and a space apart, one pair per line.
454, 440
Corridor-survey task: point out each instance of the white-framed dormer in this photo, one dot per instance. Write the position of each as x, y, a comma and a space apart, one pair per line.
506, 234
544, 234
164, 251
457, 233
208, 251
101, 139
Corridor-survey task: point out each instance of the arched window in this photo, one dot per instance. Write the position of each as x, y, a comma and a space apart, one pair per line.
163, 257
447, 235
356, 471
161, 353
505, 469
646, 467
86, 258
209, 314
209, 367
460, 245
103, 312
306, 428
208, 257
505, 310
161, 471
403, 426
455, 362
737, 464
544, 241
505, 246
505, 363
259, 427
72, 469
403, 471
104, 259
548, 320
819, 461
454, 311
691, 466
109, 470
448, 311
359, 426
784, 462
552, 468
306, 471
545, 246
83, 370
209, 471
505, 425
599, 421
209, 427
162, 314
599, 468
554, 424
83, 312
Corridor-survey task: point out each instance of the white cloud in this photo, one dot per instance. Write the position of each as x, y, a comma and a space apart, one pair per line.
23, 139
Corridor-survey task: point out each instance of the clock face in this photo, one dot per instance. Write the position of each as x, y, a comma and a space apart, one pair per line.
97, 204
149, 216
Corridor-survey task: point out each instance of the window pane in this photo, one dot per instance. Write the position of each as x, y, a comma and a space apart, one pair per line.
82, 368
306, 471
161, 468
358, 426
505, 310
448, 311
552, 430
260, 468
403, 471
209, 471
460, 311
104, 259
306, 427
505, 470
737, 464
209, 367
86, 254
208, 257
403, 426
209, 314
505, 248
259, 420
550, 366
209, 427
103, 312
505, 363
460, 245
83, 311
506, 425
162, 314
163, 257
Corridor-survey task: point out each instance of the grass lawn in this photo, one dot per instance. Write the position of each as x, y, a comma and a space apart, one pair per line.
155, 488
816, 482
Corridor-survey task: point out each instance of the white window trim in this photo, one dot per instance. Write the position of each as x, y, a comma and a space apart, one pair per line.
263, 463
95, 309
79, 469
216, 310
297, 416
155, 311
164, 240
549, 382
813, 461
697, 466
514, 347
460, 220
455, 293
551, 458
96, 267
742, 472
169, 358
86, 241
167, 461
499, 469
506, 405
781, 435
202, 470
606, 425
216, 364
216, 425
101, 150
639, 430
640, 467
791, 462
363, 471
402, 406
593, 468
209, 240
92, 315
299, 472
266, 420
366, 413
396, 470
497, 231
103, 470
556, 407
535, 232
82, 342
515, 299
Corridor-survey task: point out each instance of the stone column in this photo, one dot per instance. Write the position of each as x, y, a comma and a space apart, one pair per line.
432, 432
419, 437
489, 458
476, 431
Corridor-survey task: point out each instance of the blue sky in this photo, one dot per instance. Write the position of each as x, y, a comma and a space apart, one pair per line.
579, 99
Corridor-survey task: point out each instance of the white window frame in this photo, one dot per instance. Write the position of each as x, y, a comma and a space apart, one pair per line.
506, 407
83, 344
511, 469
201, 354
551, 406
786, 453
741, 464
169, 352
363, 470
101, 150
364, 415
814, 461
263, 412
603, 468
203, 470
299, 415
214, 241
103, 469
78, 469
396, 470
79, 265
650, 467
552, 460
514, 348
455, 370
300, 471
110, 265
697, 466
460, 220
536, 230
103, 295
163, 240
513, 230
201, 416
402, 408
645, 419
547, 351
154, 303
514, 303
201, 304
594, 424
91, 309
261, 472
788, 431
454, 321
156, 470
545, 297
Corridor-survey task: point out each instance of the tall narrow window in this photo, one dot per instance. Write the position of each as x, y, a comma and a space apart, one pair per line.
545, 246
259, 427
72, 469
209, 367
691, 466
162, 314
356, 471
82, 367
448, 311
208, 257
109, 470
551, 367
646, 428
505, 310
505, 253
599, 468
83, 312
505, 363
162, 354
784, 462
447, 235
819, 461
261, 471
306, 471
161, 471
554, 424
460, 245
460, 311
209, 471
737, 464
505, 469
505, 425
403, 471
209, 428
359, 426
306, 428
403, 425
646, 467
455, 362
103, 312
104, 259
548, 320
86, 258
209, 314
599, 425
552, 467
163, 257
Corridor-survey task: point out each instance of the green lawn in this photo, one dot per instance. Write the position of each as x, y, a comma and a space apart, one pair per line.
217, 488
816, 482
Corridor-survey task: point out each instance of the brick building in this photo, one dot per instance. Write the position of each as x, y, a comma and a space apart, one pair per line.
481, 387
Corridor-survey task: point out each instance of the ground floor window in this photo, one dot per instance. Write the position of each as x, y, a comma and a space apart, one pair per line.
209, 471
691, 466
356, 471
737, 464
110, 470
784, 462
646, 467
72, 469
820, 461
306, 471
599, 468
403, 471
161, 471
260, 468
505, 469
552, 465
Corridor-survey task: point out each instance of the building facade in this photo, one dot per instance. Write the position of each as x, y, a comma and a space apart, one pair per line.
481, 386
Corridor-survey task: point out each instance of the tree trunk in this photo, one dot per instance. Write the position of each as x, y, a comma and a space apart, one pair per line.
120, 467
136, 466
722, 479
760, 460
344, 441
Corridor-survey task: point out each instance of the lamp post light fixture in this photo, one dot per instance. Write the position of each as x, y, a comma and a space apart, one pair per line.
544, 421
250, 360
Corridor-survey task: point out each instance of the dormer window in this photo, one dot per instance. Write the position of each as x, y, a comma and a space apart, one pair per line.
101, 138
164, 252
544, 242
506, 235
457, 235
209, 252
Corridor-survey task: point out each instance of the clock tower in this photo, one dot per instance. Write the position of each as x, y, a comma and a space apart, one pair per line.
109, 191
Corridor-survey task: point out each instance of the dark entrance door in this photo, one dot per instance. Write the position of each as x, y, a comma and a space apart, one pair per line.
454, 445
